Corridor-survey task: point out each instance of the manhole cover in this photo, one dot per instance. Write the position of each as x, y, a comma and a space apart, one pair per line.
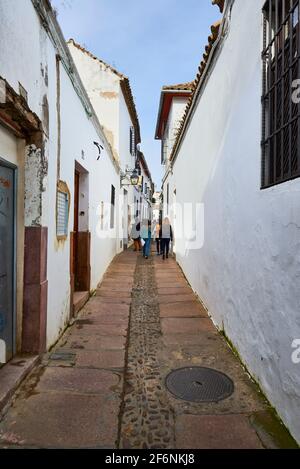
197, 384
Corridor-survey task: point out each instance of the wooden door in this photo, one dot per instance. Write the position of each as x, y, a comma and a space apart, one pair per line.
76, 228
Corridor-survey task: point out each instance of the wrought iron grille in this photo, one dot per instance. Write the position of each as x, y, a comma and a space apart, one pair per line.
280, 99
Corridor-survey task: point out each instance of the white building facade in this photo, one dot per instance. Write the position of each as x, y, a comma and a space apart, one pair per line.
242, 254
111, 96
58, 174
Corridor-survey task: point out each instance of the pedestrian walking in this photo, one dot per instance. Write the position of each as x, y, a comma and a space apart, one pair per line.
156, 236
136, 236
166, 237
146, 237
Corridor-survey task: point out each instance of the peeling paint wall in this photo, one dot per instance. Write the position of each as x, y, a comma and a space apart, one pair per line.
36, 172
248, 271
103, 88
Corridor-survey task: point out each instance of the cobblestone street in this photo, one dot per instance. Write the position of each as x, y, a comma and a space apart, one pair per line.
103, 385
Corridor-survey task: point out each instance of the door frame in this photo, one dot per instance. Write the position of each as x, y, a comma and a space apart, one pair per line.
14, 168
76, 225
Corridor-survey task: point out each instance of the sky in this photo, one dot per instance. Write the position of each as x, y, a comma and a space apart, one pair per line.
153, 42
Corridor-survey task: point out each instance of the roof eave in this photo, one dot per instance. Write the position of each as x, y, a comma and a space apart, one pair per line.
161, 102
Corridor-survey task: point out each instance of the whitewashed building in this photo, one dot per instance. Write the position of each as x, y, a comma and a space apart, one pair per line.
111, 95
157, 206
59, 172
173, 102
144, 197
238, 154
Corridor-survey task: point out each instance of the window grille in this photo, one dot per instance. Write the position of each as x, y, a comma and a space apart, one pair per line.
280, 117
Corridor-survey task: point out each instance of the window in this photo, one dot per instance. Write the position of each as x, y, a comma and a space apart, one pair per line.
62, 214
280, 118
112, 207
132, 141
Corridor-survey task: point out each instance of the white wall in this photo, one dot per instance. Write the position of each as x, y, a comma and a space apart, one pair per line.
103, 89
26, 54
77, 135
22, 39
248, 270
126, 158
176, 112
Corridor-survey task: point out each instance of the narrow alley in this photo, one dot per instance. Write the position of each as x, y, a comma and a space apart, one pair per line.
149, 228
103, 384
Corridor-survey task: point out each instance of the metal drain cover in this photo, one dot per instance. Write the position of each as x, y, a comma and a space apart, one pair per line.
198, 384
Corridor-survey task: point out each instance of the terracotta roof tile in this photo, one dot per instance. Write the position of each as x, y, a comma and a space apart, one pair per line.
125, 85
220, 4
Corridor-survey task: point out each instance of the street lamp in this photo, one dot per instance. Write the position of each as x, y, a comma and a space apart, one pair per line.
132, 175
134, 178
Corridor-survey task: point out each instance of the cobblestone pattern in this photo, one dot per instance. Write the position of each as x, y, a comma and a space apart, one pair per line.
147, 420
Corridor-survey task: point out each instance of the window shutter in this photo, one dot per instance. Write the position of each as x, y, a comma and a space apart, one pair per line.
132, 141
112, 207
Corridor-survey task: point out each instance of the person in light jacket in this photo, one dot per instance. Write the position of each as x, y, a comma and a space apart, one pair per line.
156, 235
166, 236
136, 235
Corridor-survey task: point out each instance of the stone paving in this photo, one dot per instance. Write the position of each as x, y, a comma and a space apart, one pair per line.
147, 419
73, 399
102, 386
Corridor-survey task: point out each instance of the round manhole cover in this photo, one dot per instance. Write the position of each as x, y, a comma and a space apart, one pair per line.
198, 384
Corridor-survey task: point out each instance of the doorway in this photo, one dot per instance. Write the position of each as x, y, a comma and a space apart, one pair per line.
76, 227
81, 241
7, 261
125, 220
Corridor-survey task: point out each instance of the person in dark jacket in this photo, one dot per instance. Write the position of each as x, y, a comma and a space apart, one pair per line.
166, 236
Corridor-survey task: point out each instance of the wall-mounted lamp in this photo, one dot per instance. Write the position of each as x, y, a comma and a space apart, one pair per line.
132, 175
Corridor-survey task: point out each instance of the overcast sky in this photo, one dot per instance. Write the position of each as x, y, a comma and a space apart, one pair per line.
153, 42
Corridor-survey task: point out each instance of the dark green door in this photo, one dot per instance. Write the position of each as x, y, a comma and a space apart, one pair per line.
7, 220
